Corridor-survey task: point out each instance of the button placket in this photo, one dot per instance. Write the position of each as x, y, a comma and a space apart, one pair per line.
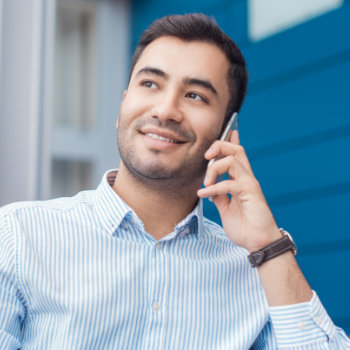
157, 295
155, 306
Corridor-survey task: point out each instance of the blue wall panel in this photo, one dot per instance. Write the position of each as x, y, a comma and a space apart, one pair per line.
320, 41
295, 125
304, 169
300, 106
334, 292
316, 225
231, 15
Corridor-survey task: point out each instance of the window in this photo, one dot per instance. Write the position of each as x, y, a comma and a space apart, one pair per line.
268, 17
74, 96
70, 176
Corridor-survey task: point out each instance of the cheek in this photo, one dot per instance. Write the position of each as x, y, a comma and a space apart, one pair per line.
208, 131
130, 110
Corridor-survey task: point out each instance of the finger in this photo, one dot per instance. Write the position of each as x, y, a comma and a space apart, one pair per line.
226, 205
221, 202
220, 149
234, 138
223, 148
230, 165
219, 189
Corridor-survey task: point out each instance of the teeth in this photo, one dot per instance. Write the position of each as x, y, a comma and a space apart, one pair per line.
161, 138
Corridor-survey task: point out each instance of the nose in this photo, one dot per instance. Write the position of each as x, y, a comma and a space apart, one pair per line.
167, 107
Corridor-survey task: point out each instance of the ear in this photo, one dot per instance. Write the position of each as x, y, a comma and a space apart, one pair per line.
124, 94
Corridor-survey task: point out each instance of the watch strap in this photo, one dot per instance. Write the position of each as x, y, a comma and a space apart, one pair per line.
272, 250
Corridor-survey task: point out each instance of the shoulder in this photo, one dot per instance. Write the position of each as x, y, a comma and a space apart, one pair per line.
212, 227
62, 203
214, 230
35, 211
221, 247
216, 234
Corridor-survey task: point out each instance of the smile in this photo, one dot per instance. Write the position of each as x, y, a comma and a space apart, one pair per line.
161, 138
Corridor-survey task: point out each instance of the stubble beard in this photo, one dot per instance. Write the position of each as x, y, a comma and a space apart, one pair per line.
184, 176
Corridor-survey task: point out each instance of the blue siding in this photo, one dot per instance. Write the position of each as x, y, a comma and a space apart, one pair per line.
298, 106
295, 125
305, 169
322, 271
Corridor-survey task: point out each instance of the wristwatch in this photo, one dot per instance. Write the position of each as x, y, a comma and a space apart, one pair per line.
274, 249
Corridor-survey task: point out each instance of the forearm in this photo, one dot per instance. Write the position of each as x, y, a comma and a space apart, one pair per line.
299, 320
283, 281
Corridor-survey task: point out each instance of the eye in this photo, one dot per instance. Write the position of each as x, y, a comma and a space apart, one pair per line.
149, 84
196, 97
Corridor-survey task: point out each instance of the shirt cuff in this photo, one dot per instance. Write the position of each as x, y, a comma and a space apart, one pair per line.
302, 324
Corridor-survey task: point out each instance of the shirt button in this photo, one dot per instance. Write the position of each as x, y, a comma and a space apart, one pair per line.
301, 325
155, 306
318, 320
158, 246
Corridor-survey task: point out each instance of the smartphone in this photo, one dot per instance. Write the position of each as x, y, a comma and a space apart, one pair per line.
231, 125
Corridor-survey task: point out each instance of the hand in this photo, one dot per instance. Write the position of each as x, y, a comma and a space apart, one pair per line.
246, 216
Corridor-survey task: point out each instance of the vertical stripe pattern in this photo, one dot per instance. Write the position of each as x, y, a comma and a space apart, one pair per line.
82, 273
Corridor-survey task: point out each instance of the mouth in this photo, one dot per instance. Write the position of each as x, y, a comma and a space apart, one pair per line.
161, 138
162, 135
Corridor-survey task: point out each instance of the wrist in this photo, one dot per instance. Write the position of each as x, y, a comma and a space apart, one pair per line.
272, 250
272, 236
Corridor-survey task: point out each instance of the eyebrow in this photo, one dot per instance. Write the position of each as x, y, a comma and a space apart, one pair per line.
202, 83
154, 71
206, 84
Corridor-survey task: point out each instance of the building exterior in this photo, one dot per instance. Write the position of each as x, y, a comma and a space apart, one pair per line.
63, 72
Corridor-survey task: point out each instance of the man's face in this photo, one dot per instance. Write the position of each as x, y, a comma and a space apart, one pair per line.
173, 110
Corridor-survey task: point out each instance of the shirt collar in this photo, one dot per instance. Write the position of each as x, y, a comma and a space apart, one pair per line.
192, 223
112, 210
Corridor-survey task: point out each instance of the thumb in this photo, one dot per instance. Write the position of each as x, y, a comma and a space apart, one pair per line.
221, 202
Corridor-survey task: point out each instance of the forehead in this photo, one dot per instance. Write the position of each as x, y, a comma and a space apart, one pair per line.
182, 58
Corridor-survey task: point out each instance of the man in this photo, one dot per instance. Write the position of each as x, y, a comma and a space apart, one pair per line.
134, 265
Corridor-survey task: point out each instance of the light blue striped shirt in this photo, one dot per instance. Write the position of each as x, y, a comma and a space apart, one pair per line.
82, 273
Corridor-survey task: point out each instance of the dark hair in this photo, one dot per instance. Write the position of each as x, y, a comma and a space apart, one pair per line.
199, 27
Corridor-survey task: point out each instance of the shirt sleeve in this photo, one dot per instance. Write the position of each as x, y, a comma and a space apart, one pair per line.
304, 326
12, 310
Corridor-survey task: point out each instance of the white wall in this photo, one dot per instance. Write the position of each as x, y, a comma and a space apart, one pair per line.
22, 103
29, 139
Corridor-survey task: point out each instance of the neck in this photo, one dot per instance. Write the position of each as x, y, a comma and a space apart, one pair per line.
158, 208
